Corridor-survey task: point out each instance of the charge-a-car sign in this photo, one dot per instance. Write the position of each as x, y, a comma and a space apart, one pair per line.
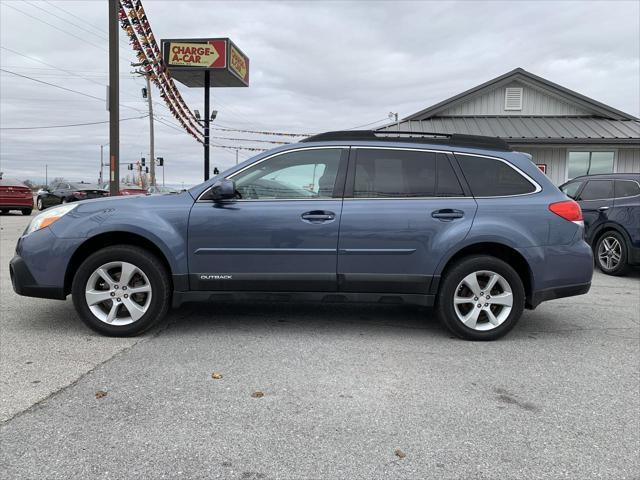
212, 54
191, 59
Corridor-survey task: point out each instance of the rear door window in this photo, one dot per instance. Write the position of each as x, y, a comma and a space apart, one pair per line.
597, 190
626, 188
387, 173
490, 177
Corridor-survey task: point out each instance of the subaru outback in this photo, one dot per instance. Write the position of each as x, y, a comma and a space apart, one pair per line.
460, 223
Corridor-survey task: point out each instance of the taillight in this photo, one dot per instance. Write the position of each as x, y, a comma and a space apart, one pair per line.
79, 194
569, 210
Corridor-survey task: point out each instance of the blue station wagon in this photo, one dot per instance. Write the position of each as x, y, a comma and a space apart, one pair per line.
460, 223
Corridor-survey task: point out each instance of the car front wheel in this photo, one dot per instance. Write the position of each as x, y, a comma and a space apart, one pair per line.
611, 253
39, 204
481, 298
121, 290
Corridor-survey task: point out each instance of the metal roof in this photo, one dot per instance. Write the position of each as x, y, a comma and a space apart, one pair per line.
530, 129
528, 78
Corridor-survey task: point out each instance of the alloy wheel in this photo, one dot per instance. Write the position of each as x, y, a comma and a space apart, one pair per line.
483, 300
118, 293
609, 253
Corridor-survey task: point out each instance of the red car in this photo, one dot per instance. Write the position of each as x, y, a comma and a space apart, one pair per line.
132, 190
15, 195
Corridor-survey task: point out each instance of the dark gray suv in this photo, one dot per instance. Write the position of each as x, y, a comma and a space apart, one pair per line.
460, 223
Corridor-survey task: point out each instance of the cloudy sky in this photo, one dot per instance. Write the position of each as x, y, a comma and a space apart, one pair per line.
315, 66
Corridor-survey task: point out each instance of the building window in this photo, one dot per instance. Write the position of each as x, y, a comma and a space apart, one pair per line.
589, 163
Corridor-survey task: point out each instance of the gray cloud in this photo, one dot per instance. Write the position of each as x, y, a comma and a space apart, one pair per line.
315, 66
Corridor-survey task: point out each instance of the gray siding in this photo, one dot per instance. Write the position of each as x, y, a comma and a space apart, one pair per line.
629, 160
554, 158
534, 102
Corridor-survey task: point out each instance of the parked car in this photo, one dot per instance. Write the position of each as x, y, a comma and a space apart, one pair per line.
65, 192
132, 190
460, 223
15, 195
611, 207
161, 190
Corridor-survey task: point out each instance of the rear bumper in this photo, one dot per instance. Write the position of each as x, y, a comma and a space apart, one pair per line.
557, 292
24, 284
17, 205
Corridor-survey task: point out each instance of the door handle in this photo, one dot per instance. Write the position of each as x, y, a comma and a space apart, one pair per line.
318, 216
447, 214
602, 209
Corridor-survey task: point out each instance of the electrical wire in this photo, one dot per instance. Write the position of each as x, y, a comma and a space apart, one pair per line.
280, 134
367, 124
70, 124
65, 88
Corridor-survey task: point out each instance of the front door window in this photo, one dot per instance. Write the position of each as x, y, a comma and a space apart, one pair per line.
302, 175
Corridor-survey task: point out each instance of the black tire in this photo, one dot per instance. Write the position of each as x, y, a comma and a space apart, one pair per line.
26, 211
64, 200
449, 286
40, 204
622, 267
4, 211
152, 267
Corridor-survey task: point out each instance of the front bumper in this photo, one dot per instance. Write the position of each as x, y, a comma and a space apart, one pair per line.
24, 283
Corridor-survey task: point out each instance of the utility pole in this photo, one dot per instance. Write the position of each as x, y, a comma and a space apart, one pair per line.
152, 156
394, 116
114, 100
207, 84
46, 174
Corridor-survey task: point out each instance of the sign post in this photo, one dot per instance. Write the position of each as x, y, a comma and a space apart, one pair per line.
206, 63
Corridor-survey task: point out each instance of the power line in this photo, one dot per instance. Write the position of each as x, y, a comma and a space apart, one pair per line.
56, 68
64, 88
84, 40
367, 124
280, 134
69, 125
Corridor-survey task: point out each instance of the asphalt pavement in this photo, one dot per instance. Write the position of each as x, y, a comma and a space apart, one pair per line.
320, 391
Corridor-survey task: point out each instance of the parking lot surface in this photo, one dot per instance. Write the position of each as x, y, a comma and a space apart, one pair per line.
357, 392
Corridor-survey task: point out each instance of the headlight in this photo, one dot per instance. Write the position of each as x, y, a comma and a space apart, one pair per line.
49, 217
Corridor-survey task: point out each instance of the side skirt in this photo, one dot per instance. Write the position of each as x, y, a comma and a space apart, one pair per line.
302, 297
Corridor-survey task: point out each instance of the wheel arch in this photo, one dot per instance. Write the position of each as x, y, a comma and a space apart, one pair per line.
494, 249
108, 239
606, 227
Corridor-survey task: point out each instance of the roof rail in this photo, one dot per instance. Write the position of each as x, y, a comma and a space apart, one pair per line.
451, 139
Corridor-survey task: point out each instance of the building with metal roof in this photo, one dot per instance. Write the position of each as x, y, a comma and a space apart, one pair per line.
568, 134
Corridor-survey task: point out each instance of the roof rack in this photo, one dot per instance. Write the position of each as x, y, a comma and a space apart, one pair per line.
452, 139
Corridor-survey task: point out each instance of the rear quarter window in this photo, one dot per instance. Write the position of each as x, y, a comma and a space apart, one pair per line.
626, 188
488, 177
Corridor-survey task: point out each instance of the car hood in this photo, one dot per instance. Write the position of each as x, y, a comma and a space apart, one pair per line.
132, 201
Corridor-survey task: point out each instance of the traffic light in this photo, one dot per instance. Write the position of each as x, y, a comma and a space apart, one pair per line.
160, 161
146, 169
130, 166
142, 161
144, 92
216, 171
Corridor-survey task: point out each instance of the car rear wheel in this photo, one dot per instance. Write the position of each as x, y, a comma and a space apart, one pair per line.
121, 290
40, 204
64, 200
611, 253
481, 298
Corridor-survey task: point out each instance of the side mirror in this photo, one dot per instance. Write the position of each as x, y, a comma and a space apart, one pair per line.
222, 190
